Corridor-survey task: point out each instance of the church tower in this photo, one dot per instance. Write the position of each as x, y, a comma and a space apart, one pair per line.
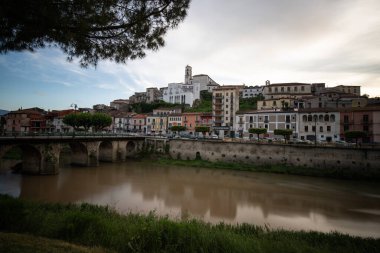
188, 75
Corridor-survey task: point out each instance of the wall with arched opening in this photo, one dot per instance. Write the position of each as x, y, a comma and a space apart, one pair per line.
131, 148
106, 151
21, 158
79, 154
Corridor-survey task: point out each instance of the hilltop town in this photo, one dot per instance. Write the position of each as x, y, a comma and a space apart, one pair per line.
311, 112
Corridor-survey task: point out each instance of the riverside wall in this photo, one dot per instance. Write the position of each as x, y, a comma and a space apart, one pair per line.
263, 154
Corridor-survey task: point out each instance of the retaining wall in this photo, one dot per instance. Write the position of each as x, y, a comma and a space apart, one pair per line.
262, 154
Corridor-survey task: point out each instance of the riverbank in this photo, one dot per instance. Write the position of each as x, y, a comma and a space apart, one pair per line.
94, 226
336, 173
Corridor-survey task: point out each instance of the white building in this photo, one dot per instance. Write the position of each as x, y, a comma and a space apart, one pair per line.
251, 91
269, 119
320, 124
189, 91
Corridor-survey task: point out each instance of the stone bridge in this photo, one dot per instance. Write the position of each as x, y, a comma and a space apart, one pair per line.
41, 155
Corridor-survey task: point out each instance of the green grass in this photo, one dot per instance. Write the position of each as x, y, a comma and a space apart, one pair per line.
19, 243
338, 173
100, 227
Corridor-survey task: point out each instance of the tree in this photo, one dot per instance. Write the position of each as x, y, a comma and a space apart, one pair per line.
286, 133
85, 120
202, 129
117, 30
100, 121
257, 131
178, 129
355, 135
72, 120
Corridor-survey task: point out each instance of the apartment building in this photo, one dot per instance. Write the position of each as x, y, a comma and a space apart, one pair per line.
270, 120
225, 104
138, 123
191, 120
26, 121
319, 124
251, 91
365, 119
156, 124
285, 90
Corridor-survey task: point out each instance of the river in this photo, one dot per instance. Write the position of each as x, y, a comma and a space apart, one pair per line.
276, 201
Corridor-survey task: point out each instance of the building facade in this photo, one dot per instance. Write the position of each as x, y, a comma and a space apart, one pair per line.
225, 104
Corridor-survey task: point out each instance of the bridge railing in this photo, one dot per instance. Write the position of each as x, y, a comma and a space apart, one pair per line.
70, 134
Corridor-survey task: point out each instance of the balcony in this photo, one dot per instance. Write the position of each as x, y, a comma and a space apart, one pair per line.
266, 120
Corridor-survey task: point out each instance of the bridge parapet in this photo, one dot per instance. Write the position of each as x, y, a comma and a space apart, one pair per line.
41, 155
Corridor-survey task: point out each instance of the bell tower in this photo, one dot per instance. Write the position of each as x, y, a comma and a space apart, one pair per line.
188, 75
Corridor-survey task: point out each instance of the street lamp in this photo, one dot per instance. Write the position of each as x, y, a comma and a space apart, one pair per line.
315, 117
75, 106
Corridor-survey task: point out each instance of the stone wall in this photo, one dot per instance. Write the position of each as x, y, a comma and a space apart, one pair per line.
261, 154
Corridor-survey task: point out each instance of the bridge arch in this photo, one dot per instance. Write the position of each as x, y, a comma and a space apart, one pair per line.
106, 151
25, 158
131, 148
79, 154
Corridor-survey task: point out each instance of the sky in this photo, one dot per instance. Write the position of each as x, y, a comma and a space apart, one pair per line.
336, 42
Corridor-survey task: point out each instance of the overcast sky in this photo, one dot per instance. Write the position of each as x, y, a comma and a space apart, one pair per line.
234, 42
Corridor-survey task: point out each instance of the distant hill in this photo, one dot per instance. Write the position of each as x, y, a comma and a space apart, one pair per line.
2, 112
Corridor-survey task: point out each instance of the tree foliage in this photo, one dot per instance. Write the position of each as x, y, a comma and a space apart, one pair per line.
257, 131
202, 129
286, 133
178, 128
355, 135
87, 120
72, 120
100, 121
117, 30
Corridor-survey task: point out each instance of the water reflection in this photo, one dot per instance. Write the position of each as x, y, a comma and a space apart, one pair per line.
214, 195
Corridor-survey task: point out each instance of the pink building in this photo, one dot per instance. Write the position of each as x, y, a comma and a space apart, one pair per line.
366, 119
191, 120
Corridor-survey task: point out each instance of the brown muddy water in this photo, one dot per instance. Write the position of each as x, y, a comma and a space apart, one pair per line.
277, 201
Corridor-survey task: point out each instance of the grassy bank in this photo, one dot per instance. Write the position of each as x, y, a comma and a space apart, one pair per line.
94, 226
338, 173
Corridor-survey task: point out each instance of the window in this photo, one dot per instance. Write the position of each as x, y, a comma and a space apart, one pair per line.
332, 118
327, 118
266, 126
328, 128
287, 118
309, 118
274, 103
345, 119
264, 103
282, 88
321, 129
304, 118
227, 118
276, 89
270, 89
365, 118
365, 128
287, 127
306, 128
295, 89
313, 128
288, 89
226, 112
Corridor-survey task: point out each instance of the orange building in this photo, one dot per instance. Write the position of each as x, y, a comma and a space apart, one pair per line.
191, 120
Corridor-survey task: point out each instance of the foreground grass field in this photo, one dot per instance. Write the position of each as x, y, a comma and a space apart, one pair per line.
101, 229
364, 174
